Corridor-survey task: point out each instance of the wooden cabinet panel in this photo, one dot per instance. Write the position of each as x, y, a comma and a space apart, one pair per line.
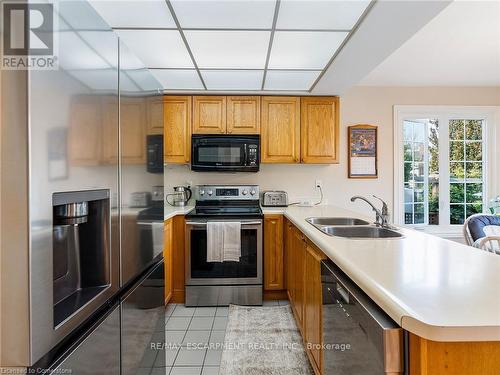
168, 252
177, 131
85, 131
133, 130
453, 358
178, 246
319, 129
288, 242
243, 115
154, 108
209, 115
110, 131
312, 306
280, 131
299, 252
273, 252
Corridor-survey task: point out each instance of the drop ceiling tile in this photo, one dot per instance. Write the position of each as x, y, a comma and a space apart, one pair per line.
178, 79
77, 54
229, 49
320, 14
233, 79
157, 48
128, 60
304, 50
101, 79
104, 43
144, 79
144, 13
290, 79
242, 14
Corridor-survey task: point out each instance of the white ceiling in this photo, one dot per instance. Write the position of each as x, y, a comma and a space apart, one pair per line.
459, 47
234, 44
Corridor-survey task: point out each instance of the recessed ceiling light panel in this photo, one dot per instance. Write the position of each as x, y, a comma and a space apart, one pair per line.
144, 13
304, 50
314, 14
233, 79
229, 49
157, 48
290, 80
231, 14
178, 79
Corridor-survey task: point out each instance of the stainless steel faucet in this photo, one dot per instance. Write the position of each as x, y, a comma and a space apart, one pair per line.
382, 216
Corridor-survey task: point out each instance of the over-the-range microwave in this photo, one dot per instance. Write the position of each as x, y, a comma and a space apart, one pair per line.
225, 153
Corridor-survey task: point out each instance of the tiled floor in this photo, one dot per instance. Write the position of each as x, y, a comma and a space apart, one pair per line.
194, 339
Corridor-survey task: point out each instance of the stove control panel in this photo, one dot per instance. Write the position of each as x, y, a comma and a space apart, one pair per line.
226, 192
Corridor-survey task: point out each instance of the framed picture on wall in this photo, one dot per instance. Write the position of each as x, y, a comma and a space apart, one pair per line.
362, 156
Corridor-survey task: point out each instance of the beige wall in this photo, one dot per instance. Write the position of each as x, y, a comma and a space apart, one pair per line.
371, 105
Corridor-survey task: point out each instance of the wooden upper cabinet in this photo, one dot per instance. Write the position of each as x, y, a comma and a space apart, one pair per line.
243, 115
133, 130
154, 107
280, 129
177, 131
319, 129
273, 252
110, 130
85, 131
209, 115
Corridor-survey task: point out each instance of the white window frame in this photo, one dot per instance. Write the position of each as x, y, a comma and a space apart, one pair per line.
491, 117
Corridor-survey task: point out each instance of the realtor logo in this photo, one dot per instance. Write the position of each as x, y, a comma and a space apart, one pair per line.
28, 36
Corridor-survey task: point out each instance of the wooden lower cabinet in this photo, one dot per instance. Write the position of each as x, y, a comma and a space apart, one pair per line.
178, 258
303, 282
168, 257
313, 305
273, 252
453, 358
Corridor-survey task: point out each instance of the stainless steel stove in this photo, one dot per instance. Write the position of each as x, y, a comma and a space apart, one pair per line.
223, 283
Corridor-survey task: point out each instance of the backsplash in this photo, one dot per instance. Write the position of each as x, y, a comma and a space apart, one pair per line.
297, 180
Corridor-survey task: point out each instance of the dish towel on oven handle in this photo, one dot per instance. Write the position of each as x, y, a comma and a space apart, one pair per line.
215, 241
223, 241
232, 241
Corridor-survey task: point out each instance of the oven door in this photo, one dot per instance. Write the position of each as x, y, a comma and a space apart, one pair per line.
247, 271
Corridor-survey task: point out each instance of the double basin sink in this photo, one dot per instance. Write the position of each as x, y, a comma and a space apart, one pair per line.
349, 227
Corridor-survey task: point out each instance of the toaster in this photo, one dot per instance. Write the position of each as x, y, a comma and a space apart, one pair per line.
275, 199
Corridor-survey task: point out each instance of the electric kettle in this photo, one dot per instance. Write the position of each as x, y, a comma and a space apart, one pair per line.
180, 196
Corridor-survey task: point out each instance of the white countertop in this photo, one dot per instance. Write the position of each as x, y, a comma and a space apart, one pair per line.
171, 211
438, 289
435, 288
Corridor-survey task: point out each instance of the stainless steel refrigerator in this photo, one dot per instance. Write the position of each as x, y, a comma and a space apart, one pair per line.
79, 290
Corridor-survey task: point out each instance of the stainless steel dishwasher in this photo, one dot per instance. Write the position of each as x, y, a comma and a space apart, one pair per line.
358, 337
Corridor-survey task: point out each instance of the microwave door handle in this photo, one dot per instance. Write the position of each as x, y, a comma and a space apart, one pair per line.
245, 147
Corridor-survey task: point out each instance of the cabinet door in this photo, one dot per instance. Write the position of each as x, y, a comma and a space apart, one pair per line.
168, 256
154, 107
243, 115
280, 133
312, 305
85, 131
110, 130
273, 252
299, 249
177, 131
288, 234
133, 130
209, 115
319, 129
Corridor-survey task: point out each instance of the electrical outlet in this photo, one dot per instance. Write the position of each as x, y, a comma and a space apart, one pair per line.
318, 184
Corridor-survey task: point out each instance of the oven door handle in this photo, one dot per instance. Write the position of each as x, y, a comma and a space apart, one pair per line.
202, 223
